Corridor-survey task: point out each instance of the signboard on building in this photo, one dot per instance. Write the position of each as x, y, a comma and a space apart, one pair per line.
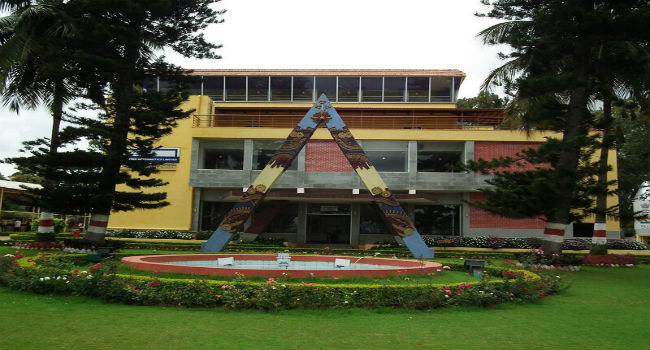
160, 155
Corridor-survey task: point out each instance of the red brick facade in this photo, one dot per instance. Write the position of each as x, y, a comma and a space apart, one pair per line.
482, 219
325, 156
491, 150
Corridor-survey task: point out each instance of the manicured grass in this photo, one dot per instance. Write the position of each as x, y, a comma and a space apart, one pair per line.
606, 308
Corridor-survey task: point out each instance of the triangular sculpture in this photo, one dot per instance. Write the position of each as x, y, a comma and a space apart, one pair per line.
322, 112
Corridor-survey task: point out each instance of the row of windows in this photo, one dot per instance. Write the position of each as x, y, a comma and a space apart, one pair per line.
388, 156
308, 88
429, 219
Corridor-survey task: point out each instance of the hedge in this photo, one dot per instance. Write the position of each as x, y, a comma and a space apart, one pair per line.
55, 274
31, 236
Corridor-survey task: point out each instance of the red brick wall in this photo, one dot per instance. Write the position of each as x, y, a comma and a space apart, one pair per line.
482, 219
325, 156
491, 150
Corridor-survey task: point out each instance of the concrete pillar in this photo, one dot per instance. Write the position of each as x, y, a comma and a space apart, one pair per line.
412, 164
196, 208
301, 236
355, 222
248, 178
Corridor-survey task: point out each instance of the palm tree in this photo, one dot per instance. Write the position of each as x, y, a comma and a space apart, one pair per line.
33, 69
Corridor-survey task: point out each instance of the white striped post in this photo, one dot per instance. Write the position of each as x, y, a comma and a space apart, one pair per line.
96, 231
554, 232
600, 233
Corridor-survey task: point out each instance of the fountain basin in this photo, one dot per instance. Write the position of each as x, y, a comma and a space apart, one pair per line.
266, 265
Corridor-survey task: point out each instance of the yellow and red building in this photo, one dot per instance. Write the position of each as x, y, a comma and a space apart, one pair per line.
405, 120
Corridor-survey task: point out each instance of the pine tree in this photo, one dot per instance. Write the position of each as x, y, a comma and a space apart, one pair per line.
553, 69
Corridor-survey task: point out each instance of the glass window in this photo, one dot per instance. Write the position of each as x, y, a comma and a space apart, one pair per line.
439, 156
440, 89
213, 87
348, 89
264, 150
418, 89
387, 155
286, 219
227, 155
371, 89
437, 219
212, 213
371, 221
193, 85
166, 85
327, 86
394, 89
457, 81
150, 84
258, 88
303, 88
235, 88
280, 88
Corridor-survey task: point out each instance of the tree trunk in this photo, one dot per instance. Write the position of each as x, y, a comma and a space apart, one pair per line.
123, 90
567, 164
45, 232
600, 228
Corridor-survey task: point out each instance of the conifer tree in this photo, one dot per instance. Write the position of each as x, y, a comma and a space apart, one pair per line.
552, 67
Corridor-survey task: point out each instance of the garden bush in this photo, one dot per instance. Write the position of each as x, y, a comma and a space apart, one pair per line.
57, 274
59, 225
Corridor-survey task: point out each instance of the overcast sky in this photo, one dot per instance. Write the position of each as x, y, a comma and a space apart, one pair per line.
364, 34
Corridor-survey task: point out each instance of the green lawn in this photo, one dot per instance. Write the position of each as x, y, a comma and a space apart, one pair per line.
605, 308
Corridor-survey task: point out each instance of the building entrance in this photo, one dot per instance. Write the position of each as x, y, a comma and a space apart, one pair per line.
328, 223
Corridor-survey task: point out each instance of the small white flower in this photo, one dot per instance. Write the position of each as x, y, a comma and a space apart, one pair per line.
89, 277
84, 271
67, 281
41, 279
46, 278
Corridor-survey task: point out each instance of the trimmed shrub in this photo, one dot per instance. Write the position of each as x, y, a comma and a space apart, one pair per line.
59, 225
54, 274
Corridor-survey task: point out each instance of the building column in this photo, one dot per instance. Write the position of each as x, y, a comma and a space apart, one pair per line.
413, 165
196, 208
301, 236
355, 222
248, 163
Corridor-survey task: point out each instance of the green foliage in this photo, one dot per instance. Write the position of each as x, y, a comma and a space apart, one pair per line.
59, 225
485, 99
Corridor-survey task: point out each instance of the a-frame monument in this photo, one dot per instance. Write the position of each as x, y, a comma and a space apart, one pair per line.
322, 112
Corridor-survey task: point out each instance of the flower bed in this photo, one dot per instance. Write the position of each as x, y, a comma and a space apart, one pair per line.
57, 274
609, 260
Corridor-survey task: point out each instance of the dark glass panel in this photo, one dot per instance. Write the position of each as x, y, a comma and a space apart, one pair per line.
235, 88
303, 88
264, 150
440, 89
280, 88
213, 87
437, 219
150, 84
371, 221
439, 156
418, 89
348, 89
258, 88
212, 213
327, 86
371, 89
285, 221
394, 89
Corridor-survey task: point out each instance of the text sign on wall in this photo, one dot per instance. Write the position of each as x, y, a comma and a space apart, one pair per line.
160, 155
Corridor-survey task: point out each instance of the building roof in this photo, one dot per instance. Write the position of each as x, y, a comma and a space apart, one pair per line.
339, 72
15, 186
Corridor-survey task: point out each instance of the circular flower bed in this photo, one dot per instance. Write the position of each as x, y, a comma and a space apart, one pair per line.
60, 274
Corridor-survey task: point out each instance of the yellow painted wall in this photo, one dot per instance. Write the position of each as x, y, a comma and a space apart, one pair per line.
177, 215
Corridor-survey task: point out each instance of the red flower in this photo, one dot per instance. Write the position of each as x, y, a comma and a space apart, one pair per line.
75, 272
138, 290
218, 295
541, 294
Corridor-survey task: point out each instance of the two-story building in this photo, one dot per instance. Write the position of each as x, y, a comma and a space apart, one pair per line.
405, 120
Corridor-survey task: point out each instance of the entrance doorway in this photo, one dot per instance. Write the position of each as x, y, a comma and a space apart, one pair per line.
328, 223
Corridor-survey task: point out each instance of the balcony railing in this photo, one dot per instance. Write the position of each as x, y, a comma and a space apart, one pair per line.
352, 121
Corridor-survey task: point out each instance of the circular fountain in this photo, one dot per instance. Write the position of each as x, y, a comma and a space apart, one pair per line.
266, 265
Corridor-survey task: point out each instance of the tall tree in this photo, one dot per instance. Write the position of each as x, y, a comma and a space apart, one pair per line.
119, 49
552, 69
34, 71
